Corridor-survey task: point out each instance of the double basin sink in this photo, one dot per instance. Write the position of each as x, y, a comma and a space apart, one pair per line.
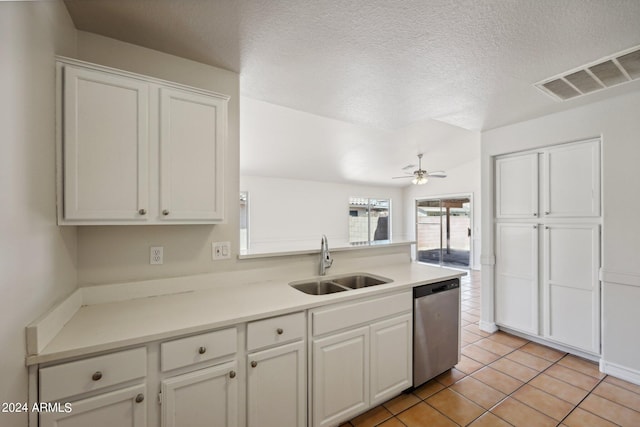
330, 285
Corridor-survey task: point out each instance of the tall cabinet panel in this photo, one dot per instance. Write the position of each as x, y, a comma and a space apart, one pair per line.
517, 186
517, 276
571, 287
106, 160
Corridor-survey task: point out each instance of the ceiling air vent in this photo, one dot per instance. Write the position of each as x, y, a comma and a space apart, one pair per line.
607, 72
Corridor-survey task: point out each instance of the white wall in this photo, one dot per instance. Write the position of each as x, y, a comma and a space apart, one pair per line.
37, 259
464, 179
295, 212
616, 121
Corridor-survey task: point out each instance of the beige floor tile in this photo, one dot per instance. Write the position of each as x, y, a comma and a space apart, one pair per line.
479, 354
619, 395
469, 337
478, 392
402, 402
423, 415
543, 402
572, 377
528, 359
428, 389
347, 424
543, 351
622, 383
449, 377
558, 388
474, 311
508, 339
489, 420
519, 414
496, 379
581, 365
372, 417
476, 330
581, 418
393, 422
468, 365
470, 317
455, 406
611, 411
494, 346
514, 369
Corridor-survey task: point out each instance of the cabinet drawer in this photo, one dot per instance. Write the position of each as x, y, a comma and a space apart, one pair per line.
276, 330
198, 348
343, 316
70, 379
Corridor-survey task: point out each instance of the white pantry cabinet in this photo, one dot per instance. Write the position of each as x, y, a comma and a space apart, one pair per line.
276, 372
361, 355
517, 186
137, 150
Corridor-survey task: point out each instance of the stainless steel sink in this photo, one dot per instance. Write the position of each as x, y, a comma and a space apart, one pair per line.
331, 285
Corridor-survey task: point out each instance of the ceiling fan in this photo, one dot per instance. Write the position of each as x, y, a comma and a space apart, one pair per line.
421, 176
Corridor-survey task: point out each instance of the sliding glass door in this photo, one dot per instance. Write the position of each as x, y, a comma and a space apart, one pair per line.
443, 231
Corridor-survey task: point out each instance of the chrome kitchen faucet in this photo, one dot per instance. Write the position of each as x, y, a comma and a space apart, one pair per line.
325, 256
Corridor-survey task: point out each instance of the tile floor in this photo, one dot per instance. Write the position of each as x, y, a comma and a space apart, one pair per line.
504, 380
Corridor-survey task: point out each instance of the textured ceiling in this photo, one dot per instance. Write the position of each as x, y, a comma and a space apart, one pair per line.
383, 63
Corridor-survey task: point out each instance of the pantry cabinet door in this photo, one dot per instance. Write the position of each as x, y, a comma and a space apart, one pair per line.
517, 292
193, 133
122, 408
571, 180
106, 153
571, 288
517, 186
340, 377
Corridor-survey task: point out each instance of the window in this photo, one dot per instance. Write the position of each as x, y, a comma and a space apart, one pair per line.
369, 220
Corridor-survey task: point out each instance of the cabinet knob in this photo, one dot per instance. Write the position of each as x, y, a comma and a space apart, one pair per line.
202, 350
254, 364
546, 228
165, 212
535, 226
535, 214
232, 374
139, 398
96, 376
547, 213
280, 331
142, 211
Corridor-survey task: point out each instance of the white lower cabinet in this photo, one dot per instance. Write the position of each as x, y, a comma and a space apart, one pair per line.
361, 356
276, 387
206, 397
123, 408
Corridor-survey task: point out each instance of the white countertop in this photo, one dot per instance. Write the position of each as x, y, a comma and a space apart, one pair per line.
223, 301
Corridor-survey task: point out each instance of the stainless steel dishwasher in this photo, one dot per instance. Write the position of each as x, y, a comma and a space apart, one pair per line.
436, 329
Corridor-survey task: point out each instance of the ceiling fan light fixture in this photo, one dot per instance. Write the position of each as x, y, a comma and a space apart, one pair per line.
420, 180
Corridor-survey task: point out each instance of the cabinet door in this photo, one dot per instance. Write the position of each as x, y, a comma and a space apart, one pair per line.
517, 291
277, 394
517, 186
340, 377
207, 397
571, 286
391, 357
192, 143
572, 180
123, 408
106, 171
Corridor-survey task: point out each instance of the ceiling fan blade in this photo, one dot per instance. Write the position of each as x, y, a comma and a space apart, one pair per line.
400, 177
437, 174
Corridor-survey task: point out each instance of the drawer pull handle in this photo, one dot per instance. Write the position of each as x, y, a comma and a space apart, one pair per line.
202, 350
139, 398
232, 374
280, 331
254, 364
96, 376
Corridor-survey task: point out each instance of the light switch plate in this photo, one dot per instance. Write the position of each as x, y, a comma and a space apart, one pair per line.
220, 250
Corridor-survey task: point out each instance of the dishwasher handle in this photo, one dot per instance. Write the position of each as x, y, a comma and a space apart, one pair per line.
434, 288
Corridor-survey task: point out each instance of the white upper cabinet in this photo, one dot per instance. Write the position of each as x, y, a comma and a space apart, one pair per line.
571, 180
106, 154
192, 135
517, 186
137, 150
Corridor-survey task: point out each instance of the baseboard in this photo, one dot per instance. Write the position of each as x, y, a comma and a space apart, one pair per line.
553, 344
488, 326
619, 371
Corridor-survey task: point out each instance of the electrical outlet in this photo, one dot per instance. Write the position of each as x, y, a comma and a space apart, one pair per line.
220, 250
156, 255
